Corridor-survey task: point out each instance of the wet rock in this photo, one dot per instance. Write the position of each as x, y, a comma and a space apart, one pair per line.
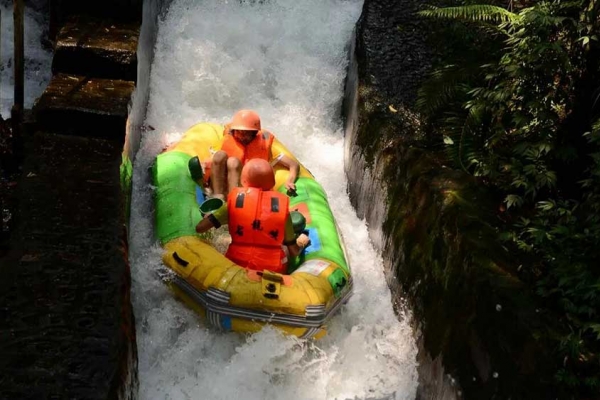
97, 48
438, 237
66, 323
85, 106
391, 48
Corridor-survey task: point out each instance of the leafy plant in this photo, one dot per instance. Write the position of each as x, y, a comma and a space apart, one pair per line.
522, 116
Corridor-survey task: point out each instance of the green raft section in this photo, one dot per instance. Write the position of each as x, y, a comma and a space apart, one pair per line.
325, 241
177, 211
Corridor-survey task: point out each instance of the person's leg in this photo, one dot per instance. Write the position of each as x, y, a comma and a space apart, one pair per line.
218, 174
234, 170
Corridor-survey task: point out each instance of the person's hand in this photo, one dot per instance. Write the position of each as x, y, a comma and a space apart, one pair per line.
303, 241
290, 185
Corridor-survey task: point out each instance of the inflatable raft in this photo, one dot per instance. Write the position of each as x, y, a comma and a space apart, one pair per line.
229, 296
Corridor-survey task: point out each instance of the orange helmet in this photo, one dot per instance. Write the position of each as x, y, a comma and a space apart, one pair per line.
258, 173
245, 120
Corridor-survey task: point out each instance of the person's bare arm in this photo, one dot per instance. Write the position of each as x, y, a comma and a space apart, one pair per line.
213, 220
204, 225
294, 168
296, 248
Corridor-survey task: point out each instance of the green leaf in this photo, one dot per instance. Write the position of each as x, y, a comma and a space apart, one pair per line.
546, 205
475, 13
513, 200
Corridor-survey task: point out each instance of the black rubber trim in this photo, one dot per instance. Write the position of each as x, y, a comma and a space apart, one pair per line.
180, 260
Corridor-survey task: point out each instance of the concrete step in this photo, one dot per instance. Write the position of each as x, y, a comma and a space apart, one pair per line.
66, 323
84, 106
100, 48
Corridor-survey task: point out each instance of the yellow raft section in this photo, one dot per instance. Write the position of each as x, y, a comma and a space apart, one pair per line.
208, 269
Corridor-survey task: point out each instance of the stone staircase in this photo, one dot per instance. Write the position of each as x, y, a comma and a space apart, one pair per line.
66, 321
94, 71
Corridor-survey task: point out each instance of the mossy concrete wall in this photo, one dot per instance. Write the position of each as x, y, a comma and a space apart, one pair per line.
152, 10
480, 332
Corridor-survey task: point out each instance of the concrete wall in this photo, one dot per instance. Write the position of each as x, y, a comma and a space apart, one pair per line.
478, 327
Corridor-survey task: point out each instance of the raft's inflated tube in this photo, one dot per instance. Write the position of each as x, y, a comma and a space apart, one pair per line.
177, 210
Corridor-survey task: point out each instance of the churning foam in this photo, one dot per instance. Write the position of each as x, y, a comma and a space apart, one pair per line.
286, 59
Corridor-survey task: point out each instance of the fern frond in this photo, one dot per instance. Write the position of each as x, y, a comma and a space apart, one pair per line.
541, 17
575, 5
475, 13
462, 139
443, 86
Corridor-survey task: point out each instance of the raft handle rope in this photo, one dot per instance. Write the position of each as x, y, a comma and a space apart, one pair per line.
315, 317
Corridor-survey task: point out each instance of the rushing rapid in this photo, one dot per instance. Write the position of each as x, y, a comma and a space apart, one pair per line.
287, 60
37, 58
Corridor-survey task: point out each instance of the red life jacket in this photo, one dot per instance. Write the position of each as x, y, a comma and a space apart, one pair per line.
257, 221
260, 147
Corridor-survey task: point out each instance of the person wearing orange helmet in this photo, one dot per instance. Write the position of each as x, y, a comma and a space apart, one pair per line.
243, 140
259, 221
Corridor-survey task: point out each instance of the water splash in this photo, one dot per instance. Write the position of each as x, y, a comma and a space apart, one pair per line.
287, 60
37, 58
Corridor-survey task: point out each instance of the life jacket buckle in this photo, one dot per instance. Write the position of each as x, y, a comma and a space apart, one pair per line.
271, 284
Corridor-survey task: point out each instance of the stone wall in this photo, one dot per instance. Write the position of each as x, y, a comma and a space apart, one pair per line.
66, 323
152, 10
479, 329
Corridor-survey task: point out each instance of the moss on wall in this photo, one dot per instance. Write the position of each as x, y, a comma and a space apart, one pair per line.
462, 285
440, 242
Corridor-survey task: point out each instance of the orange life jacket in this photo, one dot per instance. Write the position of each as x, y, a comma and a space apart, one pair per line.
260, 147
256, 222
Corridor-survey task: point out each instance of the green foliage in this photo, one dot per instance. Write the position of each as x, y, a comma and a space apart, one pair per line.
520, 115
476, 12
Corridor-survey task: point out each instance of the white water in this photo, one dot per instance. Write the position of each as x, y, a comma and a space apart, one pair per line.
37, 59
287, 60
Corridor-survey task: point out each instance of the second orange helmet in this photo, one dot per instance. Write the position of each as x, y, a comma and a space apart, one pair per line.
258, 173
